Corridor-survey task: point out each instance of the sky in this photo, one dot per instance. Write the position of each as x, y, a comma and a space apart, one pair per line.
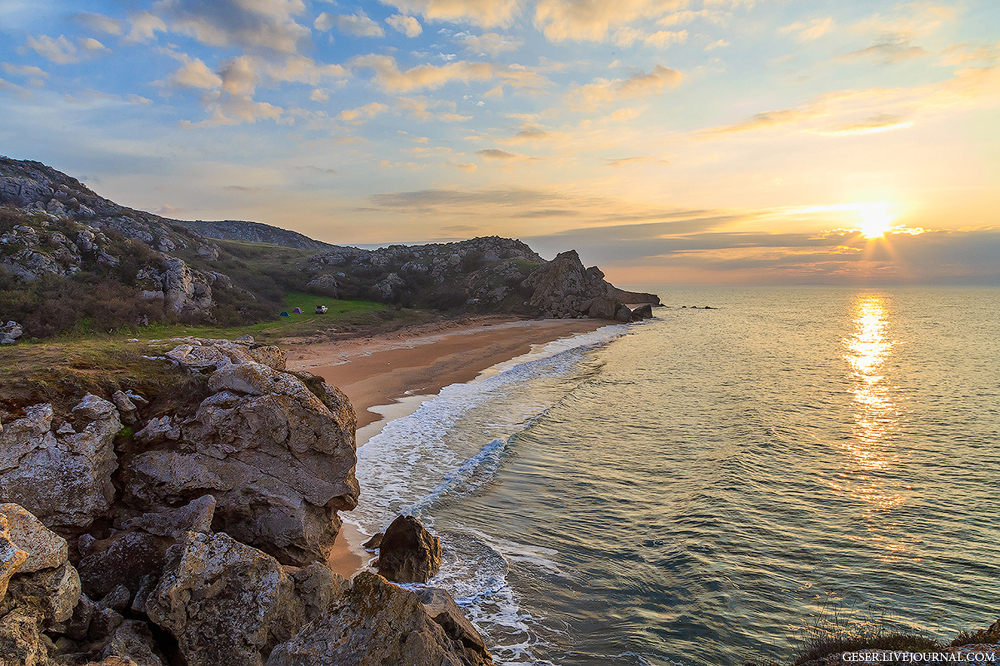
671, 142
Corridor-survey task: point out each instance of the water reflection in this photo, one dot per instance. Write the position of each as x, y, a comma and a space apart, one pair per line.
871, 449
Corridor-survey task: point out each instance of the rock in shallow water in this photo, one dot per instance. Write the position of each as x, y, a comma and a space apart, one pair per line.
408, 553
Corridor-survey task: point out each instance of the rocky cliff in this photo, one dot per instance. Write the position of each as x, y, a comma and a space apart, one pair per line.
137, 529
253, 232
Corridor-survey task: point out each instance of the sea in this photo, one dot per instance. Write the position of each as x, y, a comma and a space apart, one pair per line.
717, 484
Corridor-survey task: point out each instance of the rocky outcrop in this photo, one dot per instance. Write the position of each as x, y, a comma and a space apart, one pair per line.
226, 603
63, 478
277, 455
10, 332
12, 558
564, 288
378, 623
408, 553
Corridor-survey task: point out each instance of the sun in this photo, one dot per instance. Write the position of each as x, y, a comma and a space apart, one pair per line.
876, 219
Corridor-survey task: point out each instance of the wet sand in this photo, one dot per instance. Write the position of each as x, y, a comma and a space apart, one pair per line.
379, 371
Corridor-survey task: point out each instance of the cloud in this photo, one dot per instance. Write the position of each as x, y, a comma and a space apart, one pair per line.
909, 20
144, 28
639, 85
25, 70
195, 74
139, 100
407, 25
484, 13
468, 168
359, 25
105, 24
494, 92
530, 133
236, 109
391, 79
489, 43
887, 52
324, 21
960, 54
251, 24
319, 95
809, 31
882, 108
93, 46
300, 69
58, 50
624, 115
16, 89
626, 160
717, 45
366, 111
238, 76
497, 154
594, 21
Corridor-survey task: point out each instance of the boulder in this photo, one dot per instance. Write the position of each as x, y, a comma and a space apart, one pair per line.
642, 312
10, 332
45, 548
278, 458
409, 553
227, 604
64, 481
376, 623
12, 558
624, 314
318, 587
603, 307
53, 593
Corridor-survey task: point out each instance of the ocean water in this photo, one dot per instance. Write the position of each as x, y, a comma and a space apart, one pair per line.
699, 488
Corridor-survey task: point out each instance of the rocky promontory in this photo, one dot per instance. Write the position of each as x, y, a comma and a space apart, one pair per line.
71, 259
136, 529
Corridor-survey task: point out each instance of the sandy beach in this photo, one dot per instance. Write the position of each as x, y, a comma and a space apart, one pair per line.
420, 361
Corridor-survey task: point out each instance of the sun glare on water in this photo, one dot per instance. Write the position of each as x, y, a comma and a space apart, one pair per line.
876, 220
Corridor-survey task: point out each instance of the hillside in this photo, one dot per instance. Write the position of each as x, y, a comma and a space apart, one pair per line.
71, 260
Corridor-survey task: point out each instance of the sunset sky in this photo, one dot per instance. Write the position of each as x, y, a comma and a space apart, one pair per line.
669, 141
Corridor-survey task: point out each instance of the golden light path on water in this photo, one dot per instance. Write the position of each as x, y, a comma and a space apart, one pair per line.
872, 450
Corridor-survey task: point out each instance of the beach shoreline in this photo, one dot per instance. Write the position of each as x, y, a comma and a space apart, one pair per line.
389, 375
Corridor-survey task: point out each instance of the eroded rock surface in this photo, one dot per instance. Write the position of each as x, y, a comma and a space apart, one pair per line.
277, 454
376, 623
226, 603
64, 480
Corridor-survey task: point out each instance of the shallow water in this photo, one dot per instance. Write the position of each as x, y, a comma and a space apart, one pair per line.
697, 488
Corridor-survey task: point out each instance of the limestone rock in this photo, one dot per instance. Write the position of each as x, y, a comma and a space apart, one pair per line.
408, 552
442, 608
21, 642
64, 481
159, 430
78, 626
126, 408
53, 592
183, 288
195, 517
45, 548
278, 458
10, 332
376, 623
12, 558
226, 603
